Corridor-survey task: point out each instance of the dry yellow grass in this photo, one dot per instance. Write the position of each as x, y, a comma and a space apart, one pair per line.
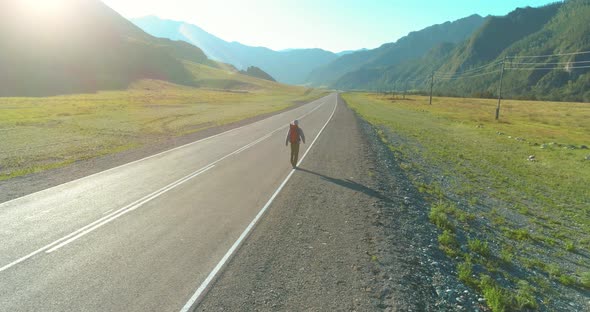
41, 133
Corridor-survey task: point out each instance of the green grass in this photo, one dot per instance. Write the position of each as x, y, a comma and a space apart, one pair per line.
569, 246
525, 296
448, 243
479, 247
465, 273
519, 235
476, 173
497, 298
507, 254
585, 279
438, 216
42, 133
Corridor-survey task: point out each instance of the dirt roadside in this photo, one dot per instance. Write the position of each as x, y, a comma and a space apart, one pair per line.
347, 233
21, 186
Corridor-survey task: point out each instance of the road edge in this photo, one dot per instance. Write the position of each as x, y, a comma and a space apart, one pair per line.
209, 282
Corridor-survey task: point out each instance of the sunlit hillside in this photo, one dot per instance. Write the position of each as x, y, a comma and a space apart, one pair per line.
69, 46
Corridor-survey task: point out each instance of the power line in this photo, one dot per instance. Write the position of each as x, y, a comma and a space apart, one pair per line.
477, 69
507, 60
548, 55
558, 63
416, 80
547, 68
469, 76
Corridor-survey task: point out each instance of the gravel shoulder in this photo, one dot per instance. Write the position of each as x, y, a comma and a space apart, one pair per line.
347, 233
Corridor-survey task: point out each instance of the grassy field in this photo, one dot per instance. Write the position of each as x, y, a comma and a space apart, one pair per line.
42, 133
511, 197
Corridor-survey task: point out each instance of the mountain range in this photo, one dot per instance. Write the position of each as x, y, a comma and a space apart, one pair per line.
66, 53
290, 66
89, 47
412, 46
557, 36
448, 50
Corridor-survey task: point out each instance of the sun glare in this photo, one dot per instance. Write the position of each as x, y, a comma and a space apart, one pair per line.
44, 7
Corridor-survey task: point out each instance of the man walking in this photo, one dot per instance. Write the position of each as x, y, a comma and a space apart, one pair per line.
295, 136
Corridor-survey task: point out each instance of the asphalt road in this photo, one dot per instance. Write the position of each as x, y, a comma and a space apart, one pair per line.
146, 235
317, 247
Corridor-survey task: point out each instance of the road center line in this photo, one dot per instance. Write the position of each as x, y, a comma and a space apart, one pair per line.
253, 143
200, 292
129, 208
99, 221
136, 204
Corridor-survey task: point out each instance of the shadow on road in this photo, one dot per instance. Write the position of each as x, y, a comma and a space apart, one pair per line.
350, 185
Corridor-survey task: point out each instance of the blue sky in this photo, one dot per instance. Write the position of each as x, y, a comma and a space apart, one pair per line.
333, 25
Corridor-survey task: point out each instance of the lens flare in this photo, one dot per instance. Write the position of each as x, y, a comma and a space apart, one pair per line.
44, 7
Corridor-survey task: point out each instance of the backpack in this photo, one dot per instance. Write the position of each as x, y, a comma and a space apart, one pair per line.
293, 134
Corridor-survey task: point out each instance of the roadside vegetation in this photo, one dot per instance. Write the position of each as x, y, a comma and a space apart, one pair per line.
40, 133
510, 198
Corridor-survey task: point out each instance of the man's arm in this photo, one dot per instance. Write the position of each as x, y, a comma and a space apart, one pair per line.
301, 135
287, 139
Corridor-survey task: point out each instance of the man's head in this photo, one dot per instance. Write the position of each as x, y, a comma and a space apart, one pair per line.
296, 122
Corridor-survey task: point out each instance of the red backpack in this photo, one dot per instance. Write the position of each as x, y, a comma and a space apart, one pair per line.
294, 134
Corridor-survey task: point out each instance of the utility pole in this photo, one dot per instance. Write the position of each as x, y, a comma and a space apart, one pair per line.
405, 89
500, 89
431, 85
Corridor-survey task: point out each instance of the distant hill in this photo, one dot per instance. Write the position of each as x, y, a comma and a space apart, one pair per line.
413, 46
256, 72
349, 52
557, 28
84, 48
288, 66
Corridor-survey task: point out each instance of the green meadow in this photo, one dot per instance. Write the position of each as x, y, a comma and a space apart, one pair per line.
40, 133
511, 198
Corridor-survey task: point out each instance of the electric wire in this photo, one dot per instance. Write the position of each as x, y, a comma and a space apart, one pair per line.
548, 55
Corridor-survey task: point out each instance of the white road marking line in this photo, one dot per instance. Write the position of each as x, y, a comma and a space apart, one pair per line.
104, 213
129, 209
39, 214
112, 216
99, 221
201, 290
253, 143
161, 153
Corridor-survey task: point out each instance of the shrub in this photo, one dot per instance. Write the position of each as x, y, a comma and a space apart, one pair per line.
567, 280
465, 272
439, 217
553, 270
497, 298
448, 243
506, 255
479, 247
525, 297
569, 246
520, 234
585, 279
447, 239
